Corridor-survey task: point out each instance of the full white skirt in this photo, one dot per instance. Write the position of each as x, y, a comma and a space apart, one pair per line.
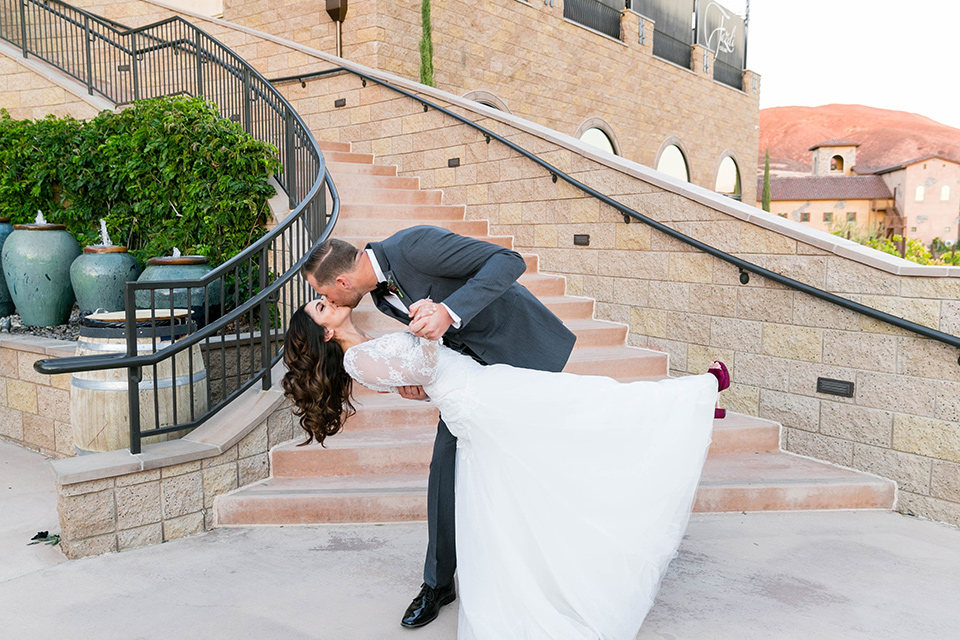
573, 493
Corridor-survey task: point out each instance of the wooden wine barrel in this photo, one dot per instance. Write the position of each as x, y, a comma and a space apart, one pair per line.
99, 407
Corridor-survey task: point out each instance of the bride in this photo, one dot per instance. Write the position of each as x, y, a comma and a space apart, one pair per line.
573, 492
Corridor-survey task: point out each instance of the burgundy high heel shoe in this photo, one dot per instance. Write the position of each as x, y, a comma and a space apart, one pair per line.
719, 370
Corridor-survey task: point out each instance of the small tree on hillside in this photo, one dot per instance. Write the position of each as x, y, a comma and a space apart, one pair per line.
765, 196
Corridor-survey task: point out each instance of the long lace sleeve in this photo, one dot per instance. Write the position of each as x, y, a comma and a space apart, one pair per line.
392, 361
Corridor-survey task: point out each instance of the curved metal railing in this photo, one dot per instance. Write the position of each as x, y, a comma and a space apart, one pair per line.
238, 312
745, 267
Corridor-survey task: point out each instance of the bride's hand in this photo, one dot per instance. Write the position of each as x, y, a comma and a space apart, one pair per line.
422, 309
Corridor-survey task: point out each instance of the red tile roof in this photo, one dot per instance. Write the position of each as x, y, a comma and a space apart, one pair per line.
834, 143
827, 188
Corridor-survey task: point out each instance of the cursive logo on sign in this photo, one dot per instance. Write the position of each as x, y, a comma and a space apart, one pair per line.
721, 38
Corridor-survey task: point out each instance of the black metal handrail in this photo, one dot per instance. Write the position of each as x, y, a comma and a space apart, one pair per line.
246, 300
595, 15
629, 214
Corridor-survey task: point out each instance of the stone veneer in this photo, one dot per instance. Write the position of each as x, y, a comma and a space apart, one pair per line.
35, 408
545, 68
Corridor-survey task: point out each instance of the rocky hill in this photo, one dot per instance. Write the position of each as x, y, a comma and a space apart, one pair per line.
886, 137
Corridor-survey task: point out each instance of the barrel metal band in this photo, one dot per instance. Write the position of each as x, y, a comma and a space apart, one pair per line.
145, 385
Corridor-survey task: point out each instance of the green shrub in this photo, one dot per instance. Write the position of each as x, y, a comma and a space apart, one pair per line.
163, 173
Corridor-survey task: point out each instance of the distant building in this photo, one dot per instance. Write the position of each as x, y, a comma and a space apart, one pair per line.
918, 198
927, 191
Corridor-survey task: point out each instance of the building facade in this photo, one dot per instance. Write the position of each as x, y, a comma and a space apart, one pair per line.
542, 62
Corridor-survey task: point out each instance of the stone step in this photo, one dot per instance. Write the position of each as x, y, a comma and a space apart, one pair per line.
345, 156
386, 498
339, 168
543, 285
367, 181
597, 333
327, 145
361, 241
365, 195
777, 481
395, 437
617, 362
735, 482
427, 213
386, 228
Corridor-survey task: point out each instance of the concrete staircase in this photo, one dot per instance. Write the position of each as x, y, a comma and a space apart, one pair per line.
376, 469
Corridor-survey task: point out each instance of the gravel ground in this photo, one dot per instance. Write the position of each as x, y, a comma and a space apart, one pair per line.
69, 331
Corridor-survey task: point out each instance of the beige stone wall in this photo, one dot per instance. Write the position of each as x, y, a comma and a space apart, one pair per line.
26, 95
34, 408
158, 505
546, 69
904, 421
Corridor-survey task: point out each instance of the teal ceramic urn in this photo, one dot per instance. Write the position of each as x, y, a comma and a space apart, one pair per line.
179, 268
98, 276
36, 263
6, 302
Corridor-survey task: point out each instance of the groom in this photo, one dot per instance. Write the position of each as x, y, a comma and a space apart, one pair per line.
481, 311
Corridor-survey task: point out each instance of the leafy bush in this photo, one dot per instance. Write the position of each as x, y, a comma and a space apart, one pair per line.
874, 237
163, 173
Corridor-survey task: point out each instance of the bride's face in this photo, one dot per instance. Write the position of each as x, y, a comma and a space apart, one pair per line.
328, 314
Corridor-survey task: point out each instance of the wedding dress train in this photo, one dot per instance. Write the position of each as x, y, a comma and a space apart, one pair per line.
573, 492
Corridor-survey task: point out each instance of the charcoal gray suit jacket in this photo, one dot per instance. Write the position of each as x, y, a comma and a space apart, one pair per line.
501, 322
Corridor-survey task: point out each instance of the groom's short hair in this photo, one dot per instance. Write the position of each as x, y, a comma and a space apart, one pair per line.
331, 259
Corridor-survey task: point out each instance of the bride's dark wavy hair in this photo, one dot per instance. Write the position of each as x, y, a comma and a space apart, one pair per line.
316, 380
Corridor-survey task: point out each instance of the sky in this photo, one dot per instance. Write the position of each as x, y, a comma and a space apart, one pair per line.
892, 55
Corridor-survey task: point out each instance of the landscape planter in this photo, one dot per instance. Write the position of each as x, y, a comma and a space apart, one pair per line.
36, 264
98, 276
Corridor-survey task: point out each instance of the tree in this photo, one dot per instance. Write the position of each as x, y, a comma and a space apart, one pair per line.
426, 45
765, 197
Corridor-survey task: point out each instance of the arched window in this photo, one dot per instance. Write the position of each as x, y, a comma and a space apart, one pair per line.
944, 193
598, 138
728, 178
836, 164
487, 99
673, 163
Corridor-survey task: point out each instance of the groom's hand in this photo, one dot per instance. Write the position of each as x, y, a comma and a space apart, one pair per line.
432, 326
412, 392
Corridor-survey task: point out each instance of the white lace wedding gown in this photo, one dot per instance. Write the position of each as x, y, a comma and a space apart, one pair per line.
573, 492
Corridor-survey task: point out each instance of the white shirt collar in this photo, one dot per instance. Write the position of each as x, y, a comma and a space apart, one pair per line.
377, 271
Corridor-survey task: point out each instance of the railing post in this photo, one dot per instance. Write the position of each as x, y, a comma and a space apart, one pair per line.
247, 106
266, 322
134, 374
86, 37
23, 27
196, 44
135, 67
290, 162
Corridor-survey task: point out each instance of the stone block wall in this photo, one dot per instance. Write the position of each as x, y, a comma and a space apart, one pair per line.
34, 408
157, 505
544, 68
904, 419
26, 95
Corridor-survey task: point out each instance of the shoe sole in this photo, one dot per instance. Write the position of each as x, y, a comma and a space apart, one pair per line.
443, 603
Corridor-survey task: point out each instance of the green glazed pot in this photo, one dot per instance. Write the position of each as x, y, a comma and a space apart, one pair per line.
6, 302
36, 264
178, 268
98, 276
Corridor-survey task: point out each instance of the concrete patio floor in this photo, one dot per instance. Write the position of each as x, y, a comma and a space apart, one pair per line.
821, 575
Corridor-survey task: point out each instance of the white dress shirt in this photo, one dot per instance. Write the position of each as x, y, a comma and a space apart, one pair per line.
395, 300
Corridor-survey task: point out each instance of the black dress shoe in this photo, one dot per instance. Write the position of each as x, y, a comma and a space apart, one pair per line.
426, 606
